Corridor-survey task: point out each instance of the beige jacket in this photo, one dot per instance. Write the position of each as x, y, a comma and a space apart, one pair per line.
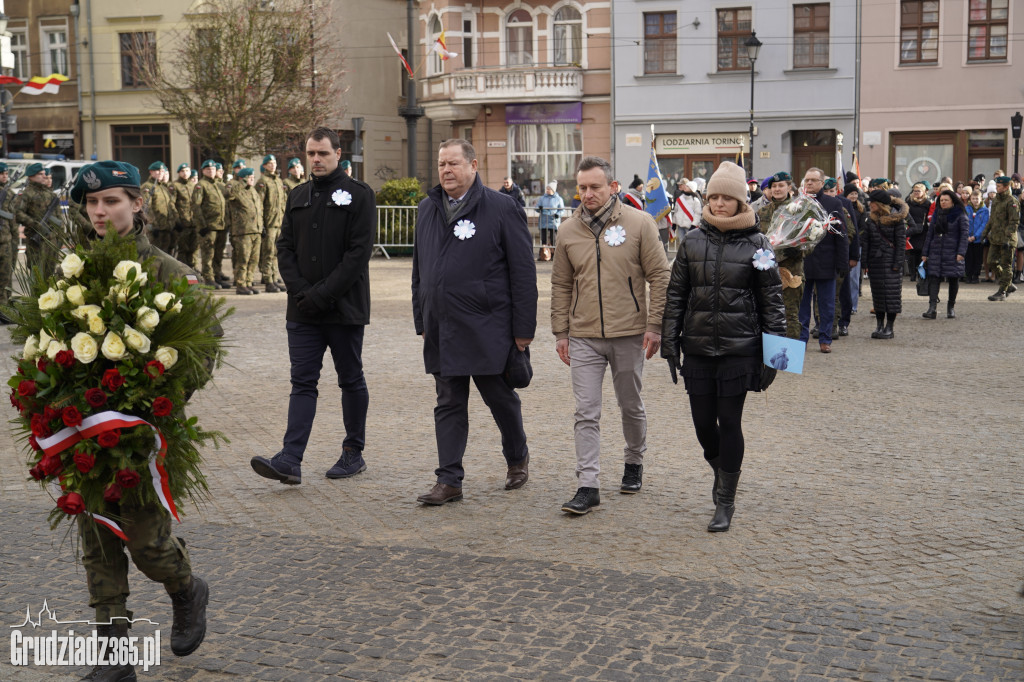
599, 290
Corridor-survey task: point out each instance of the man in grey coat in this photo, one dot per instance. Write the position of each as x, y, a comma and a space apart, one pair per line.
474, 296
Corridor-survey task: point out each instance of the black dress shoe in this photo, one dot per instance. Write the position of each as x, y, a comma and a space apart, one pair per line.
844, 331
632, 479
518, 474
440, 494
585, 500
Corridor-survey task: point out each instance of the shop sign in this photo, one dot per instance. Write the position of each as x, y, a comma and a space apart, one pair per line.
701, 143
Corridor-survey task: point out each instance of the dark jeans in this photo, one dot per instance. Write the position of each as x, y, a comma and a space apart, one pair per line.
451, 422
824, 290
845, 295
933, 289
306, 346
972, 267
718, 421
547, 236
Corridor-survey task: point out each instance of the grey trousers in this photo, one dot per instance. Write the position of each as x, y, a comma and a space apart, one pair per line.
589, 358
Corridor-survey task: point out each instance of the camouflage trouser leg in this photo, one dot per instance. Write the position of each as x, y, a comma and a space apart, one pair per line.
1000, 262
188, 244
155, 552
791, 298
252, 268
219, 244
206, 244
163, 240
33, 254
7, 261
268, 255
237, 254
244, 248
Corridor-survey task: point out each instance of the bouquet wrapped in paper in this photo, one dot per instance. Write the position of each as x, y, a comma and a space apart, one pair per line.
799, 224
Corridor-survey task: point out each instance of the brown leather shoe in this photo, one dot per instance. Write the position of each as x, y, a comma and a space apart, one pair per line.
440, 494
825, 348
518, 474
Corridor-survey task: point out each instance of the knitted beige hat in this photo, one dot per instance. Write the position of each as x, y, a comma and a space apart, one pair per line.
730, 180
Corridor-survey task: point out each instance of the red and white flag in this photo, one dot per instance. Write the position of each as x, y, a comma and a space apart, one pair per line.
441, 48
400, 56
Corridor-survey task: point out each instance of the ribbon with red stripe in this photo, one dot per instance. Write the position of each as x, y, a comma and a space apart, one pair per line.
108, 421
110, 525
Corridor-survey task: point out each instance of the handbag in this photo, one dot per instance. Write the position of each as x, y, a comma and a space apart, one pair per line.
922, 286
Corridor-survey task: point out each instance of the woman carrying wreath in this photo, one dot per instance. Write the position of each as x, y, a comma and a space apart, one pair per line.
110, 192
725, 291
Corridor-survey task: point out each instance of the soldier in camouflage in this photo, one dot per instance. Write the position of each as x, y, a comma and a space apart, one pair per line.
30, 208
208, 217
187, 241
273, 196
246, 227
8, 255
791, 261
163, 209
295, 175
1001, 233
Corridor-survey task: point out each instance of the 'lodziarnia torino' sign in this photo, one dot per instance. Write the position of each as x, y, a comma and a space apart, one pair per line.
701, 143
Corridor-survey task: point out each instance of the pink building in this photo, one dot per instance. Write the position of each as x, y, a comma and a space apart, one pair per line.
937, 101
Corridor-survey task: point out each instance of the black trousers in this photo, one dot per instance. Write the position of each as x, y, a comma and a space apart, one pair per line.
451, 422
975, 250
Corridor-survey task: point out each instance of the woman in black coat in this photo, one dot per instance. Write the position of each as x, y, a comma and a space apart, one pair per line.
944, 252
882, 247
725, 291
919, 205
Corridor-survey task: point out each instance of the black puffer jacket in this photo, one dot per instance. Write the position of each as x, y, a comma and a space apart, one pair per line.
718, 303
883, 246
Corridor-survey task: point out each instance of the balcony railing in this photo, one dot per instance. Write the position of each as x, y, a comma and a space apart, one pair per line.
510, 85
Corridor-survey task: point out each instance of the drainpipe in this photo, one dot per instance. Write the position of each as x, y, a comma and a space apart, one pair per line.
92, 74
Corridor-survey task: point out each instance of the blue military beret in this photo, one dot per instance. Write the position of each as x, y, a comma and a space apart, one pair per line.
103, 175
268, 158
245, 172
157, 165
1003, 180
292, 163
34, 169
182, 167
208, 164
239, 163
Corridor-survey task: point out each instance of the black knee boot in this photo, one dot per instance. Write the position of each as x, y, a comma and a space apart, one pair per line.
887, 332
726, 504
112, 673
880, 319
714, 486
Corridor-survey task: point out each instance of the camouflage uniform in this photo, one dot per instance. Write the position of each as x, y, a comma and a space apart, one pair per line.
291, 182
155, 551
187, 239
208, 217
1001, 233
246, 226
8, 255
220, 241
273, 196
792, 260
13, 225
163, 212
29, 209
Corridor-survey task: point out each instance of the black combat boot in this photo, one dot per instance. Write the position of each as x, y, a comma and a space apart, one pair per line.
930, 313
950, 313
189, 626
714, 486
887, 332
632, 479
727, 483
112, 673
880, 319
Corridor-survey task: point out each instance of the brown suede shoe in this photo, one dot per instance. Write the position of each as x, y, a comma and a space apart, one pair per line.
518, 474
825, 348
440, 494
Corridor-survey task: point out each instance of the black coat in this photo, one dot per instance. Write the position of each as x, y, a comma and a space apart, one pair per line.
942, 250
852, 234
324, 250
917, 221
717, 302
883, 248
831, 257
472, 297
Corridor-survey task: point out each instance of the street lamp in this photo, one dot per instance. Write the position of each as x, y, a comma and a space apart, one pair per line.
1015, 123
753, 46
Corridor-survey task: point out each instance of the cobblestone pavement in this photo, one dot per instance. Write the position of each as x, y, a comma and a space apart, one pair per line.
877, 532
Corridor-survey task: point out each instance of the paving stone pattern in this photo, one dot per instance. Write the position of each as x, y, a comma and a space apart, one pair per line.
878, 531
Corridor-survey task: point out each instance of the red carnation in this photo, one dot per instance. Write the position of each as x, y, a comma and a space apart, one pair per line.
162, 407
50, 465
43, 362
109, 439
154, 368
40, 426
72, 503
37, 473
65, 358
33, 443
128, 478
84, 461
71, 416
27, 388
112, 380
96, 397
113, 493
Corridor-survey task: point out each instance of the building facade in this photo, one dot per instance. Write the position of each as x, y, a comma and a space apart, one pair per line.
938, 101
683, 68
530, 86
44, 41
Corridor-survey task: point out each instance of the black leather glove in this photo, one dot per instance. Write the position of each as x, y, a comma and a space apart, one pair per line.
306, 306
318, 298
768, 375
672, 368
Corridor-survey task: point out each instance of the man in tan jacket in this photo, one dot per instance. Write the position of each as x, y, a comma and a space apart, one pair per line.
607, 255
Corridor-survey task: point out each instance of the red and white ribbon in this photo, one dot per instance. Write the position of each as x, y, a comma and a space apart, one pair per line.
108, 421
110, 525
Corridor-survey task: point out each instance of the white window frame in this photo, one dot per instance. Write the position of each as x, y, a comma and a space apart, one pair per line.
575, 59
21, 52
471, 19
533, 37
45, 47
435, 65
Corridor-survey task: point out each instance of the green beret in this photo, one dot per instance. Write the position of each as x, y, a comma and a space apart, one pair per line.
239, 163
33, 169
103, 175
219, 165
157, 165
244, 173
209, 163
3, 167
182, 167
194, 174
829, 183
782, 176
345, 165
268, 158
875, 182
46, 172
1003, 180
292, 163
925, 183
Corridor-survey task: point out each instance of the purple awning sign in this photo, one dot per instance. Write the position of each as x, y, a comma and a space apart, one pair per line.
561, 112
